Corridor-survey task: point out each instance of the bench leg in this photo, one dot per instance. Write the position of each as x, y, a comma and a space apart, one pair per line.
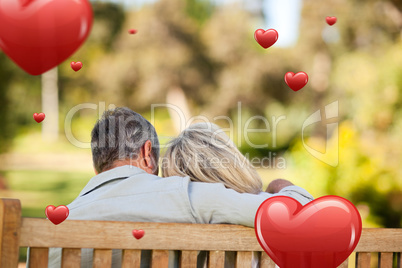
10, 224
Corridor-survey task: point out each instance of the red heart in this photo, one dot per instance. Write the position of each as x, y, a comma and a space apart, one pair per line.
39, 117
330, 20
266, 38
132, 31
296, 81
138, 233
56, 214
40, 34
76, 66
322, 233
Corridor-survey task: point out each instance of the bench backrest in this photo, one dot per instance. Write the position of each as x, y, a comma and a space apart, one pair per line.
103, 236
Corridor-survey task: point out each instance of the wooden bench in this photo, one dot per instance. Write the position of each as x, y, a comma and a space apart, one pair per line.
103, 236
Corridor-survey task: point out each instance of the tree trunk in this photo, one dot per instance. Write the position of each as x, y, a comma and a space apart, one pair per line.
180, 113
50, 105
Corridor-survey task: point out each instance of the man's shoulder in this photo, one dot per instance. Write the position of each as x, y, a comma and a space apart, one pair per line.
132, 175
138, 196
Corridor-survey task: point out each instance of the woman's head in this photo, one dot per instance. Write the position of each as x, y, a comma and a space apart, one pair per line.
206, 154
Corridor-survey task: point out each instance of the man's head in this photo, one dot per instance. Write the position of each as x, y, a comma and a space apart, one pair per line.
123, 136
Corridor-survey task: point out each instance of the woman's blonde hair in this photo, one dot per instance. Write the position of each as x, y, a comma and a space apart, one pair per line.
206, 154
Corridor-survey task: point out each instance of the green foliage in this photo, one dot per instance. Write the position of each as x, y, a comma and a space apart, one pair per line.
367, 175
19, 100
199, 10
7, 130
111, 17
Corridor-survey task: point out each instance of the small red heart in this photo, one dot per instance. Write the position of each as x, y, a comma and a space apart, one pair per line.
132, 31
296, 81
266, 38
57, 214
323, 233
138, 233
76, 66
330, 20
39, 117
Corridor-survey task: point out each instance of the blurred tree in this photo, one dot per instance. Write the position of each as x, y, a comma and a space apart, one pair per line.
79, 87
164, 54
7, 129
199, 10
109, 18
19, 99
358, 61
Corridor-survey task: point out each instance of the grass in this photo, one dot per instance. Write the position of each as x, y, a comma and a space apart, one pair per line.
38, 189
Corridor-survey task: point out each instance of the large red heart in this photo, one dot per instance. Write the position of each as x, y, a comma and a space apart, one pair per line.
266, 38
322, 233
296, 81
40, 34
57, 214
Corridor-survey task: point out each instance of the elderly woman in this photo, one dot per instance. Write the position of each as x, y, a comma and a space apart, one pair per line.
206, 154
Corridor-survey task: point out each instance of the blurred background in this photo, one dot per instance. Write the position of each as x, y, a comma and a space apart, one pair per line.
201, 56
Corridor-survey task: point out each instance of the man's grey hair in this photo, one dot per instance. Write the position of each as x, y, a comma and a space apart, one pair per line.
119, 135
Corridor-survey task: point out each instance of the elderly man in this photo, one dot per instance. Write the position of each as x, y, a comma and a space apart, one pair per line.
125, 151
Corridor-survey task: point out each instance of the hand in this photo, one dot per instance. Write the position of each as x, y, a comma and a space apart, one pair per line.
276, 185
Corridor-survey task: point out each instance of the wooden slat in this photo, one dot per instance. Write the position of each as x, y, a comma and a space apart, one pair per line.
131, 258
380, 240
188, 259
160, 259
344, 264
385, 260
399, 259
102, 258
244, 259
363, 260
109, 234
10, 222
266, 261
71, 258
171, 236
38, 257
216, 259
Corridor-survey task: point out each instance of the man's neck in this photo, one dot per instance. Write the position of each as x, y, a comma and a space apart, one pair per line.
120, 163
127, 162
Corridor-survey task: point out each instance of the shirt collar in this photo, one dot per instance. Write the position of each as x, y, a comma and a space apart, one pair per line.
109, 175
